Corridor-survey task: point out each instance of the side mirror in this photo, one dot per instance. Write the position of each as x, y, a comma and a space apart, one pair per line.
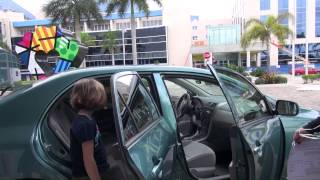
287, 108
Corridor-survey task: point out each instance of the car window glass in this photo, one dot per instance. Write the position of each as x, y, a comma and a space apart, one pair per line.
175, 90
207, 87
142, 109
249, 103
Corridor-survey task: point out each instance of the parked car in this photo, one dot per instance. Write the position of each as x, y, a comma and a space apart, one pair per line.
301, 71
160, 123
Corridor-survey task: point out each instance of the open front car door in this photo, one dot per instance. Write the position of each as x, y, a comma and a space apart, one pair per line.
258, 138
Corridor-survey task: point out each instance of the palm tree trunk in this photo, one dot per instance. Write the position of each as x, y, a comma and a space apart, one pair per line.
133, 35
112, 52
77, 28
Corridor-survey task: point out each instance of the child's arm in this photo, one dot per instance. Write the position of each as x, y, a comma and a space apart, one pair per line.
89, 161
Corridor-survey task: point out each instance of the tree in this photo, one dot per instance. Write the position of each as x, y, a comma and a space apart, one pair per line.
67, 11
4, 44
263, 31
121, 6
87, 39
109, 43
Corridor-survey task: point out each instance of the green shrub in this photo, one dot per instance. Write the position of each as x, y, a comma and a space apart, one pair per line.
258, 72
259, 81
236, 68
271, 78
281, 80
310, 77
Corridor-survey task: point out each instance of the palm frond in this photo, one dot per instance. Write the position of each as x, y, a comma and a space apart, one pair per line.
284, 16
87, 39
251, 22
109, 40
117, 5
58, 10
143, 6
255, 32
89, 10
158, 2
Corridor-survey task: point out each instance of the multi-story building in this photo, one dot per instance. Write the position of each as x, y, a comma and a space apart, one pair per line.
162, 38
151, 38
305, 26
221, 38
9, 12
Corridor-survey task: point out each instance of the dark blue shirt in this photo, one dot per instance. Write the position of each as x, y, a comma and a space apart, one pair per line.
85, 129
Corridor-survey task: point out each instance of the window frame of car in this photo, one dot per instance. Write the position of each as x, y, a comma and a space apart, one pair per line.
43, 127
141, 132
188, 75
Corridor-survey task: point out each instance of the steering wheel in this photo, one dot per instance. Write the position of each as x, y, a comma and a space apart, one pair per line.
183, 105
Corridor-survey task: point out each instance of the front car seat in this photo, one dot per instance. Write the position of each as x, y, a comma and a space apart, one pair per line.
200, 158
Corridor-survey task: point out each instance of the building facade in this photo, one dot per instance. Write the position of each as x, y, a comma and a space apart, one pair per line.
305, 26
221, 38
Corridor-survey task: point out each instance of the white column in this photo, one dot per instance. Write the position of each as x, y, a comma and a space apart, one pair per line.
111, 25
239, 59
248, 58
85, 27
258, 59
307, 59
293, 59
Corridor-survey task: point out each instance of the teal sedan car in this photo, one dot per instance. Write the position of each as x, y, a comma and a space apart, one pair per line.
159, 123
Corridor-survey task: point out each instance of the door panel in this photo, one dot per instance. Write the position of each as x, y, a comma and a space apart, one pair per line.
146, 135
260, 131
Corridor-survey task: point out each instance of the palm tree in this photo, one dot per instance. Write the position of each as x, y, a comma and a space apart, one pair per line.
109, 43
263, 31
87, 39
121, 6
4, 44
67, 11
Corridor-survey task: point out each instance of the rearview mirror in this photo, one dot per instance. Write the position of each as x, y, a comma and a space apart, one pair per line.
287, 108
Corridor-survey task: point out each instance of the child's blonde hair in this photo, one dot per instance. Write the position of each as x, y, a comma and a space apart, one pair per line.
88, 94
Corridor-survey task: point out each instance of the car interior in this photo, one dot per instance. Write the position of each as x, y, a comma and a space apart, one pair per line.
60, 119
203, 121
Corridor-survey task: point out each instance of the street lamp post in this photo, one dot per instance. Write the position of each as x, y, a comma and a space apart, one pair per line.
123, 48
293, 42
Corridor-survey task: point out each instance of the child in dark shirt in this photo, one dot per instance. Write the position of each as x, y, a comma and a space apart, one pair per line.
88, 155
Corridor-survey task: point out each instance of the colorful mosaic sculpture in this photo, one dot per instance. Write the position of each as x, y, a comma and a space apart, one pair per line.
46, 39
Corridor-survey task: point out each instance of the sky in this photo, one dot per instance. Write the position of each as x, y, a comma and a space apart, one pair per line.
206, 9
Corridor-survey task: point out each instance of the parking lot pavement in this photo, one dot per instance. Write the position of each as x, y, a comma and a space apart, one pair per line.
306, 95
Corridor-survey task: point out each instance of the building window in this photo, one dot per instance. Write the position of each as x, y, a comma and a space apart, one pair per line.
194, 27
264, 4
301, 19
194, 38
283, 7
149, 23
263, 18
317, 18
26, 29
314, 53
100, 27
123, 25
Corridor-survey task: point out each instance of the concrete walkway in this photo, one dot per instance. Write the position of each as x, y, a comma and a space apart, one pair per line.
306, 95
